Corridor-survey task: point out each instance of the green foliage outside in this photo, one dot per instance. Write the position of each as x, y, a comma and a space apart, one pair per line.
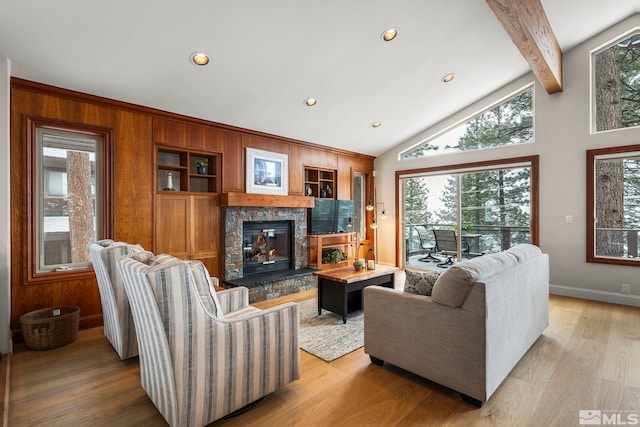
502, 197
416, 208
511, 122
489, 198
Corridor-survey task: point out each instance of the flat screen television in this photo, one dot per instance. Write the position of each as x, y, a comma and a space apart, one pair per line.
331, 216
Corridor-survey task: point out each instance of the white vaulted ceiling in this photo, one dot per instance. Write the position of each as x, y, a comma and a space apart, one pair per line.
267, 57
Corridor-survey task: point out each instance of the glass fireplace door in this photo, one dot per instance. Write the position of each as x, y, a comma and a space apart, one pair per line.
266, 246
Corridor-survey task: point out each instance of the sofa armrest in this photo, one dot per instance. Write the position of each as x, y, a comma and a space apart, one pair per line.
408, 319
442, 343
233, 299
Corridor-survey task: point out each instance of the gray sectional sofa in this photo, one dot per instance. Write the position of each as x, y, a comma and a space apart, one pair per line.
481, 318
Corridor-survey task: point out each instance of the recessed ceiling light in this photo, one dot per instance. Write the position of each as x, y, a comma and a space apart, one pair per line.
200, 58
376, 124
448, 78
310, 102
389, 34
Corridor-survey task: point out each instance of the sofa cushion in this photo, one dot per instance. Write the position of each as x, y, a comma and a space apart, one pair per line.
420, 282
524, 251
453, 286
490, 264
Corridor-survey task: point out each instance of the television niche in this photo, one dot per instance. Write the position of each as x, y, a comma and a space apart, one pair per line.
331, 216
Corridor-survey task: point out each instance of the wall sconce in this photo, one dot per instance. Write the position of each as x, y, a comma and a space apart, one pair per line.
372, 206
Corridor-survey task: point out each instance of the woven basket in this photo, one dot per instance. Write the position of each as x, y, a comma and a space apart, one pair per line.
50, 327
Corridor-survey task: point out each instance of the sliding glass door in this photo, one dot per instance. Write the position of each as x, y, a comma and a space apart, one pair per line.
488, 208
425, 208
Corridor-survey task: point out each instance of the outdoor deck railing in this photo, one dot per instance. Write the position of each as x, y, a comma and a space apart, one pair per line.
627, 239
487, 238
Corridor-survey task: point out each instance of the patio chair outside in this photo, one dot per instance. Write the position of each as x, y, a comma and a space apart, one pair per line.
425, 244
447, 245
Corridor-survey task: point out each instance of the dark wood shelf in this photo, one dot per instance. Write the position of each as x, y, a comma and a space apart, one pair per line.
320, 181
185, 164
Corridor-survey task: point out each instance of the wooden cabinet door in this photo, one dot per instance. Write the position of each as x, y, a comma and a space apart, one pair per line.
172, 225
205, 231
188, 227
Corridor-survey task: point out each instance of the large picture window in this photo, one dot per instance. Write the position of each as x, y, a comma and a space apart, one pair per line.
69, 205
613, 205
509, 122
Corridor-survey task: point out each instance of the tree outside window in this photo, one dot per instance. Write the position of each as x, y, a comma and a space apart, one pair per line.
613, 204
70, 180
617, 85
613, 174
509, 122
492, 205
496, 202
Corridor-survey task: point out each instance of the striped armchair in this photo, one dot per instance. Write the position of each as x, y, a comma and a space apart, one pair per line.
204, 355
116, 314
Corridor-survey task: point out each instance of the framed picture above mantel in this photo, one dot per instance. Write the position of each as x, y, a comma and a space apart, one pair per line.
267, 172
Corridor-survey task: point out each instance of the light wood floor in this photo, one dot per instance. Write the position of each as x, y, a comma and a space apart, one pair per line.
588, 358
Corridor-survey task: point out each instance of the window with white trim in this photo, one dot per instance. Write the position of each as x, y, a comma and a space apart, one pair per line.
508, 122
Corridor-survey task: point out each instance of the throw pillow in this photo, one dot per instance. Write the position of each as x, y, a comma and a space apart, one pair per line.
454, 285
524, 251
420, 282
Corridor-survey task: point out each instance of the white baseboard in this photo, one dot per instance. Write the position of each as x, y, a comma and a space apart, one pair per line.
592, 294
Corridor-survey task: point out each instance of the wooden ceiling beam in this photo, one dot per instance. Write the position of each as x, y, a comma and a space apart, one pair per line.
526, 23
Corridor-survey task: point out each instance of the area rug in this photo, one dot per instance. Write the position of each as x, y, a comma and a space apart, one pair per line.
325, 336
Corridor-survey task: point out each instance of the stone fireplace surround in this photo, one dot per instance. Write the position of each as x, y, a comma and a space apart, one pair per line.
268, 285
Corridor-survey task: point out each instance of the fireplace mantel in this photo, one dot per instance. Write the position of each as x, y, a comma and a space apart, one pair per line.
262, 200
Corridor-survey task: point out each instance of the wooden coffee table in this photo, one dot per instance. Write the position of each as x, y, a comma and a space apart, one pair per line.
340, 289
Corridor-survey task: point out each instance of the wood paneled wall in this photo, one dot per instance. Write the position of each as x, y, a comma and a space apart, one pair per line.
133, 194
136, 129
